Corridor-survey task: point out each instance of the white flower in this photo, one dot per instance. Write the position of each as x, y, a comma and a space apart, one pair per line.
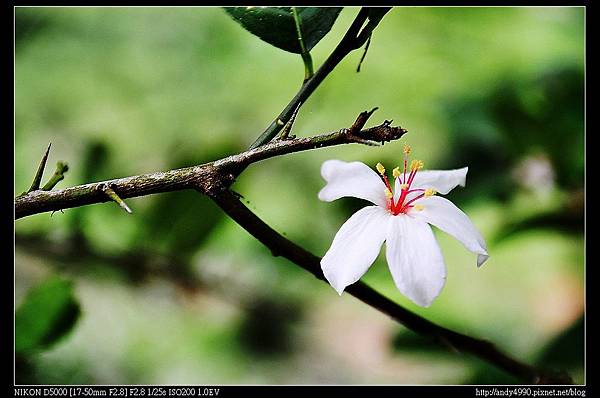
400, 218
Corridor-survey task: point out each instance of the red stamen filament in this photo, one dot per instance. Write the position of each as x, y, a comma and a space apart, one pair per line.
400, 206
387, 183
408, 204
412, 175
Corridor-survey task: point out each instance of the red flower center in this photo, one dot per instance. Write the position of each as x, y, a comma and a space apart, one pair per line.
405, 200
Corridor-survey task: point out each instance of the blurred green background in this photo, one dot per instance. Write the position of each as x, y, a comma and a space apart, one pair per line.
177, 293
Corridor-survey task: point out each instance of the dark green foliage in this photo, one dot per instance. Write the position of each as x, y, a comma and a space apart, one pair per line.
28, 24
410, 342
488, 374
47, 314
266, 330
546, 113
276, 25
565, 350
493, 131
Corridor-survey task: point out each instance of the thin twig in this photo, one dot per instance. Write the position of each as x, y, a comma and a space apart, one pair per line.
361, 120
285, 133
363, 55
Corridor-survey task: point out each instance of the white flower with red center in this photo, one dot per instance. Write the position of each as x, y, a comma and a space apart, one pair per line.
400, 218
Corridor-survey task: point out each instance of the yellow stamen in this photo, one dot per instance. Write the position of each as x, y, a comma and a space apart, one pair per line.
416, 165
429, 192
406, 149
403, 186
388, 193
380, 168
396, 172
418, 207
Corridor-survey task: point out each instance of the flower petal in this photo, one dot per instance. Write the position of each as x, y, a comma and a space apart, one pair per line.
443, 181
355, 247
446, 216
415, 259
353, 179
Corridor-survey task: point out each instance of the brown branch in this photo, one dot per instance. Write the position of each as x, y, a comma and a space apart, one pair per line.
281, 246
191, 177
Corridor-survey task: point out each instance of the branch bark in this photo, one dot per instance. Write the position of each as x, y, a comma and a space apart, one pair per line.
280, 246
223, 170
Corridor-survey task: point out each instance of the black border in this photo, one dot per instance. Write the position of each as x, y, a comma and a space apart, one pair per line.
7, 333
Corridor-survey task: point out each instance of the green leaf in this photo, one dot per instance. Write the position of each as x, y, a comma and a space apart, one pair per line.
276, 25
48, 313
